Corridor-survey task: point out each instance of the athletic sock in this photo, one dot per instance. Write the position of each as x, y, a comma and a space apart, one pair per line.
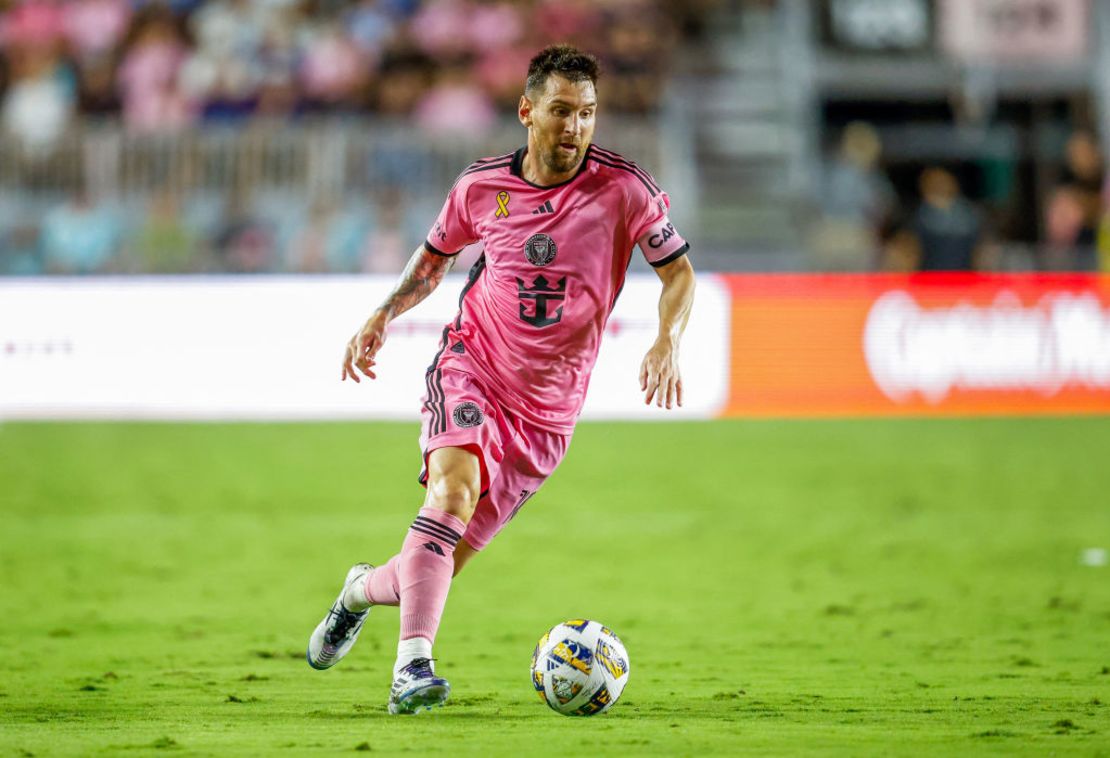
381, 585
411, 649
424, 571
354, 597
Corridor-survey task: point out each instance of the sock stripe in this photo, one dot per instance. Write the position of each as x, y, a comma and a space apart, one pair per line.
428, 532
448, 531
437, 533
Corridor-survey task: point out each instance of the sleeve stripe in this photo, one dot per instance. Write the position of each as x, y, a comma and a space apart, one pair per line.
672, 257
617, 157
436, 251
629, 169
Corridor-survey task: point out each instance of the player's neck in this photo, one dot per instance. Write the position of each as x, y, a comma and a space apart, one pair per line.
536, 171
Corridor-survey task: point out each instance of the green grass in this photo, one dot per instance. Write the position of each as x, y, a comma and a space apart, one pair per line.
855, 588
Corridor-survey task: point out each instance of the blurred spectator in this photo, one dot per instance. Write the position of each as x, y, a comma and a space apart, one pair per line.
1075, 210
855, 200
40, 99
386, 248
94, 28
334, 70
243, 243
164, 244
945, 233
222, 71
81, 236
149, 77
633, 59
455, 107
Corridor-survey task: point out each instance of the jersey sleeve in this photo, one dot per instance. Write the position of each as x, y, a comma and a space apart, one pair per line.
452, 230
653, 231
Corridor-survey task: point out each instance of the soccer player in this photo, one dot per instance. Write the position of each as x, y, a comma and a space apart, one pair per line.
559, 218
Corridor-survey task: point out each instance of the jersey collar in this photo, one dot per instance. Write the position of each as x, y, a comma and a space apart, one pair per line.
516, 168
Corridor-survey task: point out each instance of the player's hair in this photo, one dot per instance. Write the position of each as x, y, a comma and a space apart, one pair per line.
564, 60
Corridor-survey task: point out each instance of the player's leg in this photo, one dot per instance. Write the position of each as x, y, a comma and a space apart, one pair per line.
463, 553
424, 575
421, 572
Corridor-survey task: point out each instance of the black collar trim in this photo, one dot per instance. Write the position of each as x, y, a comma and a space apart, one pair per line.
516, 168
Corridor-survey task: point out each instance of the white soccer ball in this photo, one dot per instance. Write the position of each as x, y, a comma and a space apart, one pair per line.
580, 668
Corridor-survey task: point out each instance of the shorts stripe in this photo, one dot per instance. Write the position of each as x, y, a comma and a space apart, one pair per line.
430, 403
441, 397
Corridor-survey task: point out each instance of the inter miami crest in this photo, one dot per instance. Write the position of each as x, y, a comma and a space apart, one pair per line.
467, 414
540, 249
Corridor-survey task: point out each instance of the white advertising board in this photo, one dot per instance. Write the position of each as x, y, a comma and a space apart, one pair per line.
270, 348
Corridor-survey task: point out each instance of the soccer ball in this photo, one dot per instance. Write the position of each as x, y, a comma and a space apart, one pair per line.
580, 668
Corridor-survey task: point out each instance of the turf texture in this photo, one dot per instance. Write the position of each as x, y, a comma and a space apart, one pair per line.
896, 587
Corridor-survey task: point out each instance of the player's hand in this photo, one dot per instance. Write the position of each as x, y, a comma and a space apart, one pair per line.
362, 348
659, 375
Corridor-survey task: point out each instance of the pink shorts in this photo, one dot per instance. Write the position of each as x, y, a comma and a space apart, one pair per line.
516, 457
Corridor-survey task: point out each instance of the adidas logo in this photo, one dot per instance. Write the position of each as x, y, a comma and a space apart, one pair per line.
433, 547
545, 208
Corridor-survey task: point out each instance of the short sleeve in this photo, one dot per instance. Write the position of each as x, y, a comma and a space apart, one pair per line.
653, 231
452, 230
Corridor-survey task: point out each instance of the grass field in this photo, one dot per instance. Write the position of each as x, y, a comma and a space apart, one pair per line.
855, 588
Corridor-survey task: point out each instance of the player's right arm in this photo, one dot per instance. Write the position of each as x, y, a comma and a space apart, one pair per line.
423, 273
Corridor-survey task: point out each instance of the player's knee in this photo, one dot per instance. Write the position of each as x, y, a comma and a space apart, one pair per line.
456, 496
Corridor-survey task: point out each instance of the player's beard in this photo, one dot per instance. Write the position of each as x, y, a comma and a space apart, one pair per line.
561, 163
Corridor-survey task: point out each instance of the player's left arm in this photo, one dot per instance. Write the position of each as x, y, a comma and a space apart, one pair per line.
659, 375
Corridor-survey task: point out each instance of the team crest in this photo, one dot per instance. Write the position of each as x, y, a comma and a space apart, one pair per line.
540, 249
467, 415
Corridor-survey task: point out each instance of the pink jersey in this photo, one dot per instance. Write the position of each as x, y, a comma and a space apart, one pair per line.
532, 314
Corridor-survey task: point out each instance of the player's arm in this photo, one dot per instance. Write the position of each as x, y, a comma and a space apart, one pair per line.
659, 374
423, 273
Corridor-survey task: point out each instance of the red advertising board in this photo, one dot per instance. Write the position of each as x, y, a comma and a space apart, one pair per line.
944, 344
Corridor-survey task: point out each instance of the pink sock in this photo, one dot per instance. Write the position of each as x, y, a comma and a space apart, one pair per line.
424, 571
382, 586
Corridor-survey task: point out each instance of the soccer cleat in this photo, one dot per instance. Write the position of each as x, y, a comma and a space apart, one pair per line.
336, 634
416, 688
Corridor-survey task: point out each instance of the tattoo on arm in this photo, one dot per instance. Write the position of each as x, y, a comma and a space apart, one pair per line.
422, 274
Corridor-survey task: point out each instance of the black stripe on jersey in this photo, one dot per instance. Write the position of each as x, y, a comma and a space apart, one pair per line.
485, 164
447, 532
629, 169
621, 159
487, 167
440, 420
436, 251
481, 161
672, 257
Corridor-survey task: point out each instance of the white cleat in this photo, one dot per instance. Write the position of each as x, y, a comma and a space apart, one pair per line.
336, 634
417, 689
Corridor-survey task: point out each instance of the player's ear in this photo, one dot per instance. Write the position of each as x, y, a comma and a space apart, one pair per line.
524, 111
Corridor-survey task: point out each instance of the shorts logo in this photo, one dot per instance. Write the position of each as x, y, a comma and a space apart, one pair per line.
540, 249
467, 415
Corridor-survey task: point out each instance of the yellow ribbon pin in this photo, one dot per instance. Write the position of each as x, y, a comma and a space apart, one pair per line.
502, 205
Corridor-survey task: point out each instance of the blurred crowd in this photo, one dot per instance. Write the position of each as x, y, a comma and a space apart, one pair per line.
449, 65
862, 223
450, 69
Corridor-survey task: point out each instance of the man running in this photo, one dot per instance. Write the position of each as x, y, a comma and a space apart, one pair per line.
559, 218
